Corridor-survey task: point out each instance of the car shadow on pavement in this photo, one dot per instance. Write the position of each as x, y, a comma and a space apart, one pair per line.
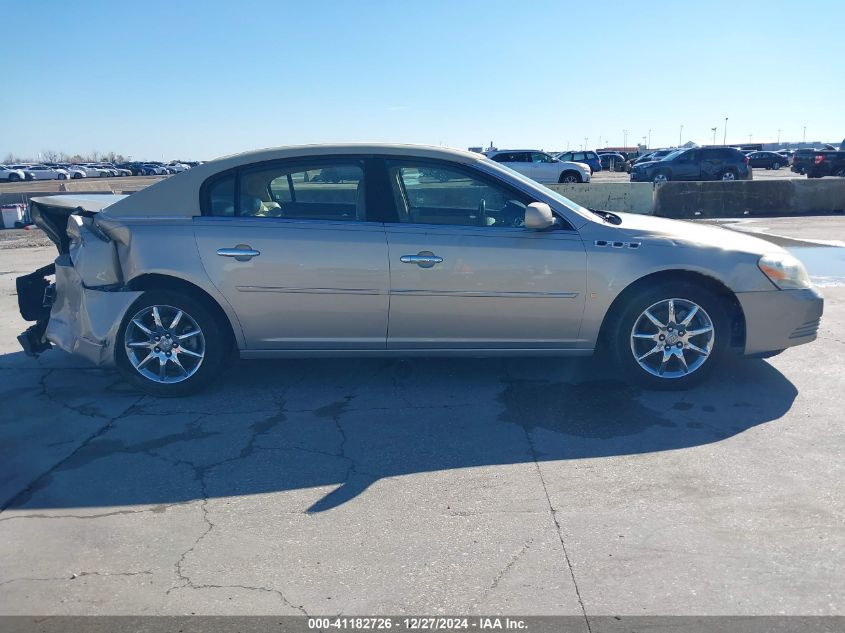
331, 428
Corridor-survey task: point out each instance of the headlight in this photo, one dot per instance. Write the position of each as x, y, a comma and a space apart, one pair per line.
784, 271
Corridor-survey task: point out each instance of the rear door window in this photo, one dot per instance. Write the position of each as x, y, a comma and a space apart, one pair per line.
317, 190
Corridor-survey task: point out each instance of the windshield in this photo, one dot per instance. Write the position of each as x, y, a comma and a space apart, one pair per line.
672, 155
569, 204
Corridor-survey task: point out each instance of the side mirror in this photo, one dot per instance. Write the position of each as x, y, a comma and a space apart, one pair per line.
538, 216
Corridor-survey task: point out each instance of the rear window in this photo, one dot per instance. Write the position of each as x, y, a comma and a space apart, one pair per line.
324, 190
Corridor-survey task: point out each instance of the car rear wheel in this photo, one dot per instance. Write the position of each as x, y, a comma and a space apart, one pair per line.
660, 176
170, 344
61, 177
14, 178
728, 174
670, 336
569, 177
775, 165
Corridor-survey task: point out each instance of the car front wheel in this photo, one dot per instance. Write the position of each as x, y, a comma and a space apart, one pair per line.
670, 336
569, 177
728, 174
170, 344
660, 177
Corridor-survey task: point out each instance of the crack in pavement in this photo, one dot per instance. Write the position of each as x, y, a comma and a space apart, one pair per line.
74, 576
535, 457
158, 509
43, 479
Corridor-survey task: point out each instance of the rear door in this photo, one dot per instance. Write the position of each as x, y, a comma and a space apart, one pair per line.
686, 166
293, 248
713, 162
465, 274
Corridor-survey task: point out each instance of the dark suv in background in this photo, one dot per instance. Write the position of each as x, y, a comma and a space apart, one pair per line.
702, 163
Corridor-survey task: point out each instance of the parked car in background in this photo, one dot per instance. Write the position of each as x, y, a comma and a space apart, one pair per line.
819, 163
614, 162
702, 163
91, 171
43, 172
177, 167
540, 166
151, 169
487, 262
10, 174
75, 171
589, 158
767, 160
117, 171
655, 155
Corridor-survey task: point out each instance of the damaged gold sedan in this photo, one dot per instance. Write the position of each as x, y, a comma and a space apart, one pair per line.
395, 250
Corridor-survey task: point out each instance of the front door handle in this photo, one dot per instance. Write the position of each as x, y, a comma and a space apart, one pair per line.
423, 259
241, 252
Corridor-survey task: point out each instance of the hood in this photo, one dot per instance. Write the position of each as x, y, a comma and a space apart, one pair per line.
647, 164
679, 232
51, 213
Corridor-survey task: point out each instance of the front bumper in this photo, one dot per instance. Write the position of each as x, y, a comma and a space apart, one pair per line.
777, 319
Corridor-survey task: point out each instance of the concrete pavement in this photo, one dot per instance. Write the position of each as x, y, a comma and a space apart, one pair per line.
523, 486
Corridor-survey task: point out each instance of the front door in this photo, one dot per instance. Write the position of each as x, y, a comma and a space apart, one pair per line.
465, 274
291, 248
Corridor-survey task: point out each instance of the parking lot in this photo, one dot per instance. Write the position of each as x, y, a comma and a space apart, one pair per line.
605, 175
522, 486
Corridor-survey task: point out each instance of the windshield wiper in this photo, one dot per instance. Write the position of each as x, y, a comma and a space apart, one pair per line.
607, 216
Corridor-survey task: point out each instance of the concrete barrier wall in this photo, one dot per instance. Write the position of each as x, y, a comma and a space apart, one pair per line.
749, 198
630, 197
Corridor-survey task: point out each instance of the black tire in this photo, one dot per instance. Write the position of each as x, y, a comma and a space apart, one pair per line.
569, 177
61, 177
217, 344
620, 331
728, 175
661, 176
14, 178
76, 175
775, 165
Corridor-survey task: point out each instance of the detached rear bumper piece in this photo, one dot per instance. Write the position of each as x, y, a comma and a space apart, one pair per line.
81, 321
778, 319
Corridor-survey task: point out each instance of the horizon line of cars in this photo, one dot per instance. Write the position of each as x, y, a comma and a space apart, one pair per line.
74, 171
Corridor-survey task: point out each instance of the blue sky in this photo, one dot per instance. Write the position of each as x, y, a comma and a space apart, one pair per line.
163, 79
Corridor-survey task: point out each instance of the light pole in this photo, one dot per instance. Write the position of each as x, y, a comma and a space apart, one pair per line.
644, 142
680, 134
712, 129
586, 142
625, 138
804, 137
778, 136
649, 140
725, 135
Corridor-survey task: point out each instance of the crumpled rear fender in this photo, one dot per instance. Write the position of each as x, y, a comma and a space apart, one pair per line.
84, 321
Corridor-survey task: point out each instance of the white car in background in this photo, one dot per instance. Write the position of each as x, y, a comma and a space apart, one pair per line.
43, 172
10, 174
76, 172
177, 167
541, 166
91, 171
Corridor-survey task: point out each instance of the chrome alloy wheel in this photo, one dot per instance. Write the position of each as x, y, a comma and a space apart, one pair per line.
672, 338
164, 353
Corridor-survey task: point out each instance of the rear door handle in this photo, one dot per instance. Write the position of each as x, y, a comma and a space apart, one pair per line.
423, 259
241, 252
